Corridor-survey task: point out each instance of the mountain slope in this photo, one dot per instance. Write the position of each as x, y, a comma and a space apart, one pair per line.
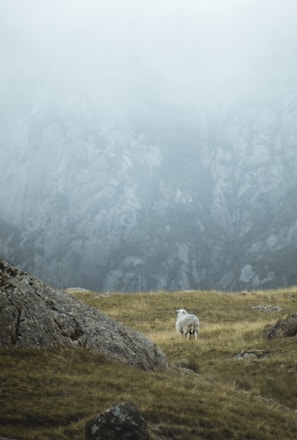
180, 194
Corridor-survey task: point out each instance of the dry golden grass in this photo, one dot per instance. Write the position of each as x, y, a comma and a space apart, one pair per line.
206, 393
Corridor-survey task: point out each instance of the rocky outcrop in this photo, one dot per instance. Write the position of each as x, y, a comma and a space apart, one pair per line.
285, 327
123, 421
207, 201
34, 314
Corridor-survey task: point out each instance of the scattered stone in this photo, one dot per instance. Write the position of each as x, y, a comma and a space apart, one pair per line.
286, 327
267, 308
6, 438
123, 421
35, 314
251, 354
76, 289
187, 372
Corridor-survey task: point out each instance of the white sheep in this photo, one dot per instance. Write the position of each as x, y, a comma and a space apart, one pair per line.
187, 324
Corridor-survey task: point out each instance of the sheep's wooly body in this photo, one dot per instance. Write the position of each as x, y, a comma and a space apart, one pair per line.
187, 324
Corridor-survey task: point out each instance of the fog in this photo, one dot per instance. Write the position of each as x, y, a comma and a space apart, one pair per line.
150, 144
186, 43
117, 55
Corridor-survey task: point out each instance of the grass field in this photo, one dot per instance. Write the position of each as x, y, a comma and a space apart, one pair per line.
207, 393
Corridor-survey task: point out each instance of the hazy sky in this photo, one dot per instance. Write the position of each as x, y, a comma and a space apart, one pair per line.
69, 28
196, 41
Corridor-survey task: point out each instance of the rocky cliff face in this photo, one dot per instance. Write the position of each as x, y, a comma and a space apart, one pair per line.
184, 195
36, 315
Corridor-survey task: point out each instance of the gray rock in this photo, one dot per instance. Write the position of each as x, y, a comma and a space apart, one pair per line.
286, 327
251, 354
267, 308
34, 314
123, 421
6, 438
248, 275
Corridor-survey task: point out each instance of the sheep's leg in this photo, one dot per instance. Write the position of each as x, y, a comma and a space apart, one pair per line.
196, 335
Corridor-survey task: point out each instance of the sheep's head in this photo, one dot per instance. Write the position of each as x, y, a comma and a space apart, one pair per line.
181, 312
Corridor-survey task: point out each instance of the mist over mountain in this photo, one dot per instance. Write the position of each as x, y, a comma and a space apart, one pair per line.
150, 146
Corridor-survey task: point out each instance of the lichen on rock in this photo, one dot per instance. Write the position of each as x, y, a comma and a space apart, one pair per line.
285, 327
33, 314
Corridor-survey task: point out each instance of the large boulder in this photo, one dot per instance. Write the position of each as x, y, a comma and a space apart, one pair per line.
34, 314
286, 327
123, 421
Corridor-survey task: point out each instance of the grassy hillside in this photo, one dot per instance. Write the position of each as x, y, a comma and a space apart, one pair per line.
206, 393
